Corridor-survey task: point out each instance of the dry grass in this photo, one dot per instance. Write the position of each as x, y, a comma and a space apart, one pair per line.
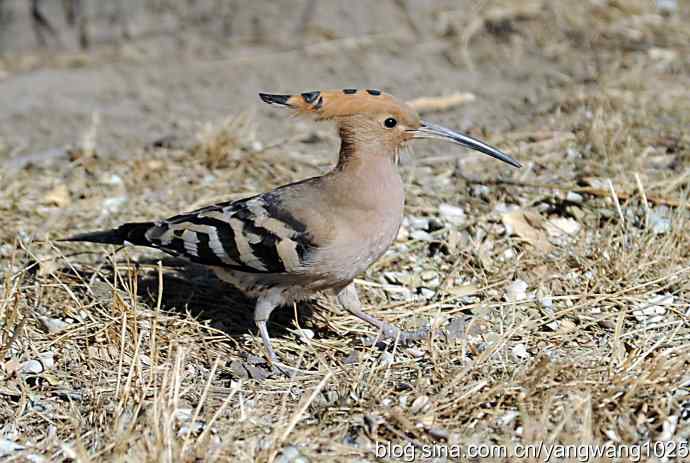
108, 355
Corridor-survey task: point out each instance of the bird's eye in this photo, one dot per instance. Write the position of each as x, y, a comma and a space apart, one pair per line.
390, 122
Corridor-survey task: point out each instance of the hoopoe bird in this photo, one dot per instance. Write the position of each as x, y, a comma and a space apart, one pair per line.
316, 234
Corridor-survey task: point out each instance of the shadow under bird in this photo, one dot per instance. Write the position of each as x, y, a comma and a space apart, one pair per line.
312, 235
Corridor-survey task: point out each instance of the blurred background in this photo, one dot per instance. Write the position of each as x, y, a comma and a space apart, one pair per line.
150, 68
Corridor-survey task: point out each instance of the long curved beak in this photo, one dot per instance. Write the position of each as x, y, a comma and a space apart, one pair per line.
429, 130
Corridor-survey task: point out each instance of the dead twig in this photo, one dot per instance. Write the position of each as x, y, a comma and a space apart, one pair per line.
441, 103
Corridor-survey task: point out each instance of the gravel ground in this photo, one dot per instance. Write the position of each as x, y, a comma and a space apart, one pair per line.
561, 288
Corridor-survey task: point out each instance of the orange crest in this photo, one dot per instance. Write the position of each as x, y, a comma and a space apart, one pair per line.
331, 104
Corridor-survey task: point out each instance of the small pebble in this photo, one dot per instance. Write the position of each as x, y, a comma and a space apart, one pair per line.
404, 294
430, 279
456, 328
654, 310
452, 214
332, 397
416, 352
6, 250
520, 352
509, 254
290, 454
668, 429
238, 369
660, 225
546, 302
352, 358
421, 235
397, 278
659, 222
667, 6
387, 358
553, 326
420, 404
183, 414
305, 334
572, 154
53, 325
426, 293
562, 225
257, 373
208, 179
611, 434
7, 447
418, 223
47, 359
508, 418
516, 291
112, 179
193, 428
480, 191
114, 204
427, 275
573, 197
31, 367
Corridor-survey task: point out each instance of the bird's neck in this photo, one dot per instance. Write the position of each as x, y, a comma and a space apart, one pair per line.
368, 178
358, 149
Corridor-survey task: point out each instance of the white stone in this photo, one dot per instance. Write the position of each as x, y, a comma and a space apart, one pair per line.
427, 293
520, 352
508, 418
184, 414
7, 447
112, 205
418, 223
516, 291
288, 455
387, 358
574, 197
668, 429
112, 179
421, 235
305, 334
452, 214
546, 302
559, 226
53, 325
419, 404
31, 367
659, 221
654, 309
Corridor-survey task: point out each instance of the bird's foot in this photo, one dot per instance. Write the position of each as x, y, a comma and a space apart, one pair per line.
281, 368
285, 370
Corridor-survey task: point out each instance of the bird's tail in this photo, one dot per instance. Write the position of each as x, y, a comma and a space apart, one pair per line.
133, 233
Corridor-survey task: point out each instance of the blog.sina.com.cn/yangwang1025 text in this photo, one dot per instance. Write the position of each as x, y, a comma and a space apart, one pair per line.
539, 451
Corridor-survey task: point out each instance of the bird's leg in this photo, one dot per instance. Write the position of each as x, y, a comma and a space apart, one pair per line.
347, 297
262, 312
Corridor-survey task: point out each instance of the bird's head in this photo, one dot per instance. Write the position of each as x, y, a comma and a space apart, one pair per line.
375, 121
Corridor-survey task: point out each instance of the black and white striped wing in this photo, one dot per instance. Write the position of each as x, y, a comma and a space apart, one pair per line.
257, 235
